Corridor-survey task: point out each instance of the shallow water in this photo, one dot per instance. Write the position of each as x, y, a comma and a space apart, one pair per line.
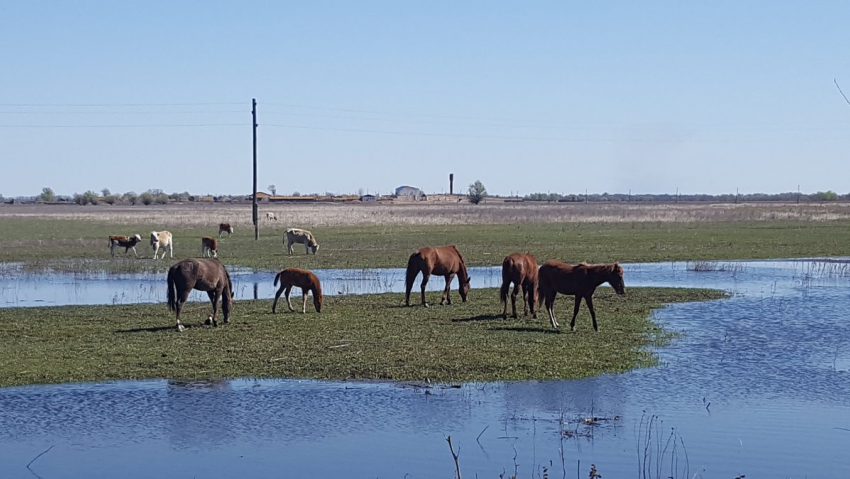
758, 385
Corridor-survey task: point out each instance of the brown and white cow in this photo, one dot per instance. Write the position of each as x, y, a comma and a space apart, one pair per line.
271, 216
296, 235
209, 246
162, 239
126, 242
224, 228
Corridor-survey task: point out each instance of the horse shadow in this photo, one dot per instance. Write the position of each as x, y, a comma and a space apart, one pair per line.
528, 329
155, 329
480, 317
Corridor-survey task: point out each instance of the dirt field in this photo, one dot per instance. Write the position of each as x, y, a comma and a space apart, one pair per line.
330, 215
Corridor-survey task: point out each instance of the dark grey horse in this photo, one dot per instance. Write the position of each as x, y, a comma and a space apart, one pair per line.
207, 274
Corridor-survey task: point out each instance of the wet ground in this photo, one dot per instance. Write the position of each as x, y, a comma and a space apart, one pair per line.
757, 385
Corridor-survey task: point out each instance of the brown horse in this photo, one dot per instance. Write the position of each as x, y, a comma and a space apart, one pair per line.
580, 280
204, 274
443, 261
521, 270
300, 278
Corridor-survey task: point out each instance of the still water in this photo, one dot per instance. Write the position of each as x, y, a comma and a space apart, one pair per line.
757, 385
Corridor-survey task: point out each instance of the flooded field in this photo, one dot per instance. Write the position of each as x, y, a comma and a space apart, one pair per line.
756, 386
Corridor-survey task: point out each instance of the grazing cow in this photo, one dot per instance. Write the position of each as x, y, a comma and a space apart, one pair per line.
162, 239
209, 247
271, 216
224, 228
295, 235
300, 278
126, 242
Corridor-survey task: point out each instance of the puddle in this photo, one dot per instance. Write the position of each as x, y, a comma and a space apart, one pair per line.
758, 385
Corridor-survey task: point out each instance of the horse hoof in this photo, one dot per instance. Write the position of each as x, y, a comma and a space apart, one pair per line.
180, 328
426, 305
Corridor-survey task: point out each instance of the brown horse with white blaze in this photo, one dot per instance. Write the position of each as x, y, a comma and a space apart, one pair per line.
521, 270
300, 278
204, 274
580, 280
443, 261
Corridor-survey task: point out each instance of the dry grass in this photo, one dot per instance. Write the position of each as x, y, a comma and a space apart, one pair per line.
330, 215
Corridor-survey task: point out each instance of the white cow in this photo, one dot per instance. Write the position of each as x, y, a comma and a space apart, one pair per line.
271, 216
162, 239
296, 235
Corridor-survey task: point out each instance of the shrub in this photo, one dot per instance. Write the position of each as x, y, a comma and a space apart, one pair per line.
46, 195
146, 198
477, 192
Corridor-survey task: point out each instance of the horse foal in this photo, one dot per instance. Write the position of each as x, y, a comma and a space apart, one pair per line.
301, 278
521, 270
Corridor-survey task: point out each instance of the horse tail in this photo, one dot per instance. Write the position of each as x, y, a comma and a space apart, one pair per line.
172, 289
412, 271
506, 282
540, 288
277, 278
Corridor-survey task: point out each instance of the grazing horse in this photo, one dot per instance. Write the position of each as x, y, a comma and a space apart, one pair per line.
271, 216
295, 235
443, 261
521, 270
224, 228
204, 275
162, 239
580, 280
209, 247
300, 278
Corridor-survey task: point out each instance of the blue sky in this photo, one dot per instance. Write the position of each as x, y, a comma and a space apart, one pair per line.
537, 96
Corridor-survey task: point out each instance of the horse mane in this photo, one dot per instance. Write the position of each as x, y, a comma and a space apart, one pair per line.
462, 261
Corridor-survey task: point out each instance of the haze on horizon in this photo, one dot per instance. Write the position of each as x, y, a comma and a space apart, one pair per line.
526, 97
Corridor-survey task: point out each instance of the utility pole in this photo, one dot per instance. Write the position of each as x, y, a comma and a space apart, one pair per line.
798, 194
630, 195
254, 213
737, 193
677, 195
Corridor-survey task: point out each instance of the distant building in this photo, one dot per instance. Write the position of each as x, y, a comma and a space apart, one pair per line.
368, 198
409, 192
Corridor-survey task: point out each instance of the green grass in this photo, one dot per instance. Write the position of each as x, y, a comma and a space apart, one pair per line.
81, 245
355, 337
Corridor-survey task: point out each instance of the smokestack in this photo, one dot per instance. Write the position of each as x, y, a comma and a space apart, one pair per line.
451, 183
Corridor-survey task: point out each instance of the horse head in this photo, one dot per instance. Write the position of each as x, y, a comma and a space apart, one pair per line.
615, 279
464, 288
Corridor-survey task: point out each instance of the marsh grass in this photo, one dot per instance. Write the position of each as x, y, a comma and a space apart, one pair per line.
368, 337
79, 246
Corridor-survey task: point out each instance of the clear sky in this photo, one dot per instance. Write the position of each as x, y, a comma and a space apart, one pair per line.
527, 97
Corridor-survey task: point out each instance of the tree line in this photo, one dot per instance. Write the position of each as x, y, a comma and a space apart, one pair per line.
789, 197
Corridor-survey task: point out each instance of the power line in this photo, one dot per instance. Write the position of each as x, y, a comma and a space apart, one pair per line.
126, 126
99, 105
23, 112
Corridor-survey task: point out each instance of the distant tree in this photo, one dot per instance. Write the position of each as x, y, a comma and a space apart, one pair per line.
161, 199
273, 190
477, 192
105, 192
46, 195
130, 197
89, 197
360, 192
146, 198
826, 196
110, 199
295, 193
155, 191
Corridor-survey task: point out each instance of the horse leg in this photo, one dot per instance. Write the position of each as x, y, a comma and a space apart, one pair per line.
514, 295
531, 301
213, 300
589, 301
575, 313
425, 277
170, 251
276, 297
304, 303
215, 297
179, 307
286, 295
448, 290
550, 308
